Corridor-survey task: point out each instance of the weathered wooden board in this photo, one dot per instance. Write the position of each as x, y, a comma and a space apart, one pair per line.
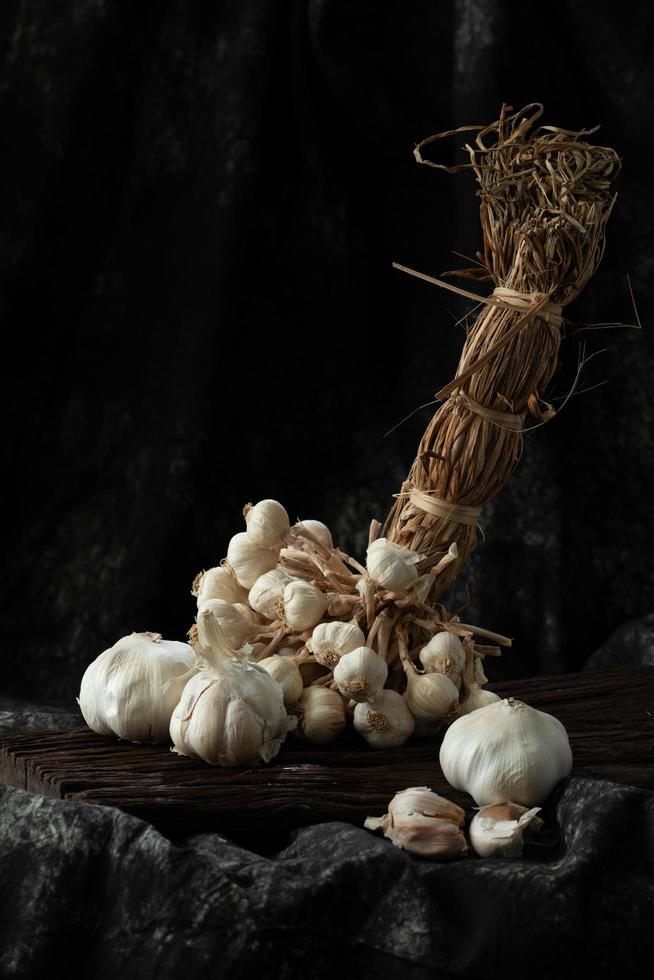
609, 716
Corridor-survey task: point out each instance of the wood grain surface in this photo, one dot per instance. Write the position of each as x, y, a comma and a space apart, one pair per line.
609, 716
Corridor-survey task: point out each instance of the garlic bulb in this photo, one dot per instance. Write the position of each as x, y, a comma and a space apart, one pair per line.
444, 653
360, 674
319, 531
218, 583
423, 823
497, 830
506, 751
477, 698
304, 605
249, 560
322, 714
431, 697
286, 672
391, 565
267, 592
267, 523
330, 641
230, 714
220, 622
132, 688
386, 722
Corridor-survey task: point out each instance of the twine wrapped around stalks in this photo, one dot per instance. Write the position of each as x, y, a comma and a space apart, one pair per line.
546, 195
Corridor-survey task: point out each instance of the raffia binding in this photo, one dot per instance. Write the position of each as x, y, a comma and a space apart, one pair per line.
454, 513
505, 420
523, 302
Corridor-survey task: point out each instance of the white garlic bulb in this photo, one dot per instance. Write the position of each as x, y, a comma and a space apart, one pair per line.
267, 523
319, 531
430, 697
132, 688
445, 654
322, 715
506, 751
423, 823
360, 674
218, 583
477, 698
286, 672
267, 592
304, 604
391, 565
497, 830
249, 560
330, 641
220, 622
386, 722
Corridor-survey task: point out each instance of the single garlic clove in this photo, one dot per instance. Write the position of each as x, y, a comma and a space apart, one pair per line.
322, 715
267, 523
498, 830
331, 641
304, 605
423, 823
480, 676
392, 566
220, 622
248, 613
267, 592
287, 674
248, 560
318, 530
360, 674
506, 751
430, 697
385, 722
218, 583
477, 698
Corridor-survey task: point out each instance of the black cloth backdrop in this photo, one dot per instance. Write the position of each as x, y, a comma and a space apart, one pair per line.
200, 206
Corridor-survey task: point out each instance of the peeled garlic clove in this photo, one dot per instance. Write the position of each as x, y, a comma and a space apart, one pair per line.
218, 583
423, 823
249, 560
330, 641
430, 697
445, 654
322, 714
391, 565
497, 830
319, 531
267, 592
231, 714
304, 605
477, 698
506, 751
287, 674
132, 688
219, 622
360, 674
386, 722
267, 523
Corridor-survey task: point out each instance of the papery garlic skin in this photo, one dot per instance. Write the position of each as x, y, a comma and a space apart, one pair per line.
304, 605
248, 613
323, 716
267, 593
249, 560
423, 823
218, 583
386, 722
230, 715
331, 641
506, 751
392, 566
477, 698
360, 674
267, 523
132, 688
497, 830
319, 531
286, 672
480, 676
430, 697
445, 654
219, 622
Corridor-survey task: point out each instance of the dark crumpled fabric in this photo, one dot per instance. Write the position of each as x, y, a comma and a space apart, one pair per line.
89, 891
